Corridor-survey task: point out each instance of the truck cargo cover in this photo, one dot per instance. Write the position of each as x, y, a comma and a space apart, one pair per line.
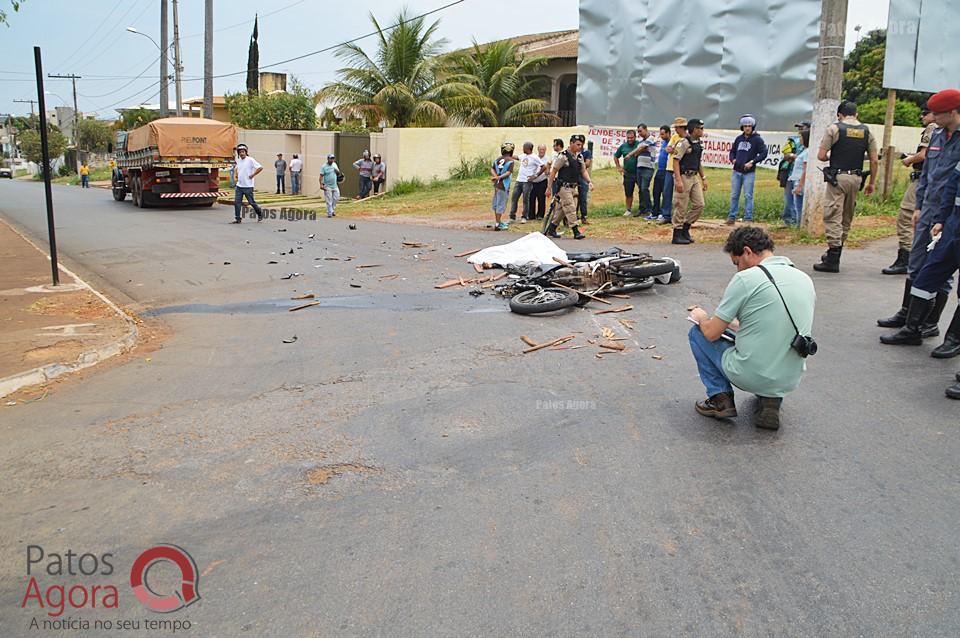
185, 137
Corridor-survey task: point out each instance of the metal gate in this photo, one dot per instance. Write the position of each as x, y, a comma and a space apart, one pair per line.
349, 147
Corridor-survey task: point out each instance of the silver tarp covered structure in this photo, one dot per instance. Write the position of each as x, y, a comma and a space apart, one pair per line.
653, 60
920, 47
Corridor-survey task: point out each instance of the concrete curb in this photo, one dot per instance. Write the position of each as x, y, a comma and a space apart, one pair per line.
87, 359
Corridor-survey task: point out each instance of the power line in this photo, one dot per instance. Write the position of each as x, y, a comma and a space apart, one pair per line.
117, 90
127, 99
246, 22
107, 42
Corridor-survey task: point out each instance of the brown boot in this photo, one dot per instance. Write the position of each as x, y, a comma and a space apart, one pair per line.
767, 413
719, 406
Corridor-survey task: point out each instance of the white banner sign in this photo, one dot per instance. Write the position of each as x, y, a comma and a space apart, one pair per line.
716, 145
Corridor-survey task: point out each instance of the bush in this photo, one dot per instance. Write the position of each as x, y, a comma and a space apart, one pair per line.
904, 113
65, 170
407, 186
471, 169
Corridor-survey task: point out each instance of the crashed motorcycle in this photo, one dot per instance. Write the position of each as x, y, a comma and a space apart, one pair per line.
537, 289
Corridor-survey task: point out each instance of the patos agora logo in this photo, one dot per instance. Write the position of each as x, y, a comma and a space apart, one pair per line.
189, 577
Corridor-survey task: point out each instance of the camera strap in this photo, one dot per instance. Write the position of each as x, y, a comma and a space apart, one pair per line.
770, 277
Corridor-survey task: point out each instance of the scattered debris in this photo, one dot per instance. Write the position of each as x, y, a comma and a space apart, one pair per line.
292, 339
311, 236
613, 345
460, 281
352, 227
530, 342
332, 258
414, 244
369, 266
476, 292
272, 262
619, 296
612, 310
650, 347
292, 275
355, 286
388, 277
585, 294
281, 230
468, 252
549, 344
306, 305
306, 295
607, 333
226, 263
658, 357
627, 323
563, 262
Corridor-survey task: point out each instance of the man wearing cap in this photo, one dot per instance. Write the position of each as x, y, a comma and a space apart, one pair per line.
330, 177
791, 149
845, 145
245, 170
569, 171
281, 166
909, 202
937, 218
747, 151
690, 182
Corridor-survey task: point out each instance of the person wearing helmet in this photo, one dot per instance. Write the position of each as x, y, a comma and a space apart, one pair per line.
364, 167
747, 151
245, 169
500, 173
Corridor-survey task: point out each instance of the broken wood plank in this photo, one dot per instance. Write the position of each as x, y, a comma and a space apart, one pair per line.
549, 344
612, 345
658, 357
627, 323
585, 294
308, 295
306, 305
499, 276
414, 244
530, 342
620, 296
386, 277
449, 283
369, 266
612, 310
607, 333
563, 262
468, 252
478, 267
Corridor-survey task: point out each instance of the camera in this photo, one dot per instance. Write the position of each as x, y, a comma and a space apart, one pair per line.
805, 346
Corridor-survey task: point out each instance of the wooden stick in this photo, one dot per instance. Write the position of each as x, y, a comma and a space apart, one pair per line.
585, 294
555, 342
611, 310
563, 262
530, 342
612, 345
478, 267
468, 252
620, 296
369, 266
306, 305
449, 283
499, 276
308, 295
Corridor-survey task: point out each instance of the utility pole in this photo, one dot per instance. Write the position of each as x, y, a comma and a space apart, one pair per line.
164, 73
45, 160
833, 26
886, 168
32, 102
208, 59
176, 57
76, 137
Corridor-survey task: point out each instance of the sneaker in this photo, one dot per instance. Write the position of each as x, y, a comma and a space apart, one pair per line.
523, 220
627, 213
236, 221
502, 226
730, 222
652, 218
664, 220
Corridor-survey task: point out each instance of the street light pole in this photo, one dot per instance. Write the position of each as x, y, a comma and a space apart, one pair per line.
178, 68
164, 81
208, 59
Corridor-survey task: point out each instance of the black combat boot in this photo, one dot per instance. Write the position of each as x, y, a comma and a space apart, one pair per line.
951, 342
909, 334
898, 267
577, 234
552, 231
767, 413
931, 327
953, 391
830, 262
678, 237
719, 406
686, 233
898, 320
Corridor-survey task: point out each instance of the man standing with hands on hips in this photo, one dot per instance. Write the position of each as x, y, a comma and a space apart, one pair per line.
246, 169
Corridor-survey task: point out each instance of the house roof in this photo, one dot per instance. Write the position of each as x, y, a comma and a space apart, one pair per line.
218, 100
551, 45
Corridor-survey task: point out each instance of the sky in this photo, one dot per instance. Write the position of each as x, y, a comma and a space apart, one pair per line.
90, 39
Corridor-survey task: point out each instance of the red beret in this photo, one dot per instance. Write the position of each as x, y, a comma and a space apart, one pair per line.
945, 100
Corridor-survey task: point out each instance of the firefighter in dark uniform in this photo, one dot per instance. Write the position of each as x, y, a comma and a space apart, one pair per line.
567, 170
845, 145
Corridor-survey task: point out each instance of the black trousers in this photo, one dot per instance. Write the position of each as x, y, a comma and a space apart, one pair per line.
539, 197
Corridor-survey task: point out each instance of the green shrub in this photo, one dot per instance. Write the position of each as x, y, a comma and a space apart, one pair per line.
471, 169
875, 111
65, 169
407, 186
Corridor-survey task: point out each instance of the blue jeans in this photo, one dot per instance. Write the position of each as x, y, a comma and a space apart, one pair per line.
658, 180
295, 182
791, 216
280, 186
709, 355
666, 206
644, 177
366, 184
85, 181
744, 182
238, 195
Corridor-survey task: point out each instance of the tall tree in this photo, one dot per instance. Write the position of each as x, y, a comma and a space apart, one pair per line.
507, 79
253, 61
290, 111
94, 135
863, 72
399, 83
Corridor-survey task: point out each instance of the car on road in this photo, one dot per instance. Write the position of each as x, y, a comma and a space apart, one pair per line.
6, 171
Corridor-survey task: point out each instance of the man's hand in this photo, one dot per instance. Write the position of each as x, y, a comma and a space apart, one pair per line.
868, 190
678, 185
936, 230
699, 315
591, 185
703, 184
916, 219
748, 166
621, 171
906, 161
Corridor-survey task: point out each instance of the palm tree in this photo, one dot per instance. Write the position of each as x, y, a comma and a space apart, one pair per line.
399, 83
505, 77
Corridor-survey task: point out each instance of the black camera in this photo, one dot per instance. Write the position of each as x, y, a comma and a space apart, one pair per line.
805, 346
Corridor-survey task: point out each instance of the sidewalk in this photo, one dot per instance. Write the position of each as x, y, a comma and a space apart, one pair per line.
46, 331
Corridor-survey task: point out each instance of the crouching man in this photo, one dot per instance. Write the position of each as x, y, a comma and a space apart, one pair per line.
758, 337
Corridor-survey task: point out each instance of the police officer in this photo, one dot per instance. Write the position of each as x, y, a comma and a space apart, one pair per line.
909, 202
689, 182
929, 286
568, 170
844, 146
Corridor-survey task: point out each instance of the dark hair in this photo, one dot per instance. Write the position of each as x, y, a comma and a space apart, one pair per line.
847, 108
805, 137
558, 142
641, 125
753, 236
665, 128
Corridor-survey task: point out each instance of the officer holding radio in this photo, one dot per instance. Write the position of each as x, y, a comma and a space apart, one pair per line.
769, 304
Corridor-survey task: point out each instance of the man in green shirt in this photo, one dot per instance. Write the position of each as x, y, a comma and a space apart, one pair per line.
760, 359
629, 168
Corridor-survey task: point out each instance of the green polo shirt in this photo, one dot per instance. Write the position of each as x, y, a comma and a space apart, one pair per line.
630, 163
762, 361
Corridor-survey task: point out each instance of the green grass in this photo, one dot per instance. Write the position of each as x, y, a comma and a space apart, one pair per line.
471, 169
98, 174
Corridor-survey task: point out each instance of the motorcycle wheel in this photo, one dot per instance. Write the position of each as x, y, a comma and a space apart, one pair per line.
534, 302
648, 268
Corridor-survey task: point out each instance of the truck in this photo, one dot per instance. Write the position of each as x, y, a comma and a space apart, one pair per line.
173, 160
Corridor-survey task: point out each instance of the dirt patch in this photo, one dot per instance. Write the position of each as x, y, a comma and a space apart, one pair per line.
322, 475
79, 305
67, 350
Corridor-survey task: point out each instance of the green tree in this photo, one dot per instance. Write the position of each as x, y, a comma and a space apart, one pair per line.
401, 82
16, 7
135, 118
253, 62
875, 112
506, 78
863, 73
31, 148
94, 135
291, 111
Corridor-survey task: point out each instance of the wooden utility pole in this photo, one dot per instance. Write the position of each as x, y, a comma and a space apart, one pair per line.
886, 170
208, 59
164, 73
833, 26
178, 68
32, 102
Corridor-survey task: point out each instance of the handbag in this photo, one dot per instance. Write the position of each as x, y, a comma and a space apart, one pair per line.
804, 346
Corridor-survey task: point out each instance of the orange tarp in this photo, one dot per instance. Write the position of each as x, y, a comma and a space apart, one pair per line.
185, 137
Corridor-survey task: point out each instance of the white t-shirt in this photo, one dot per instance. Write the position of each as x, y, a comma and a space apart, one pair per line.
543, 176
296, 165
529, 166
245, 169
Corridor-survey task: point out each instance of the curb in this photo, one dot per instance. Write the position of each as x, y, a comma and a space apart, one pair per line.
86, 359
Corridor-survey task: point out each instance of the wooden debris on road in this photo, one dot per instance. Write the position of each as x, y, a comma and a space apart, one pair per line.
308, 295
585, 294
563, 262
478, 268
468, 252
530, 342
306, 305
613, 345
607, 333
550, 344
612, 310
627, 323
369, 266
414, 244
658, 357
388, 277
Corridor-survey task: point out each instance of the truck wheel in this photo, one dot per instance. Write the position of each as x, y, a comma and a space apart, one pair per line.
119, 192
137, 192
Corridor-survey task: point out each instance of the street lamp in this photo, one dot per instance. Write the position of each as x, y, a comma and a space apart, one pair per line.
177, 69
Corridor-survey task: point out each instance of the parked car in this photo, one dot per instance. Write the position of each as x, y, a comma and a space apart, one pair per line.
6, 171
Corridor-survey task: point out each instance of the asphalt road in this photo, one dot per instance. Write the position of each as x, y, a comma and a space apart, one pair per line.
402, 470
